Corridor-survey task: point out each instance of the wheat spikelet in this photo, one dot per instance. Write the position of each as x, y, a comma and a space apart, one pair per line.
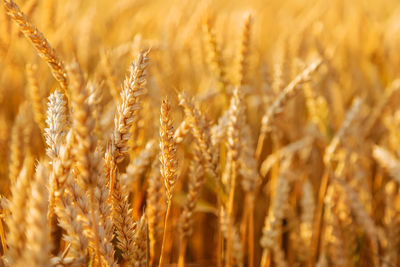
89, 162
56, 124
123, 222
20, 133
234, 143
387, 161
307, 217
140, 240
34, 92
105, 228
196, 181
180, 133
244, 50
16, 222
130, 103
214, 57
201, 132
391, 221
247, 161
273, 223
154, 210
68, 220
344, 128
362, 217
83, 125
333, 233
168, 150
218, 131
38, 243
237, 248
277, 106
41, 44
168, 161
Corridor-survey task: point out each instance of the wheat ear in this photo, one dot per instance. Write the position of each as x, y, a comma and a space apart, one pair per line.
40, 43
234, 126
277, 106
34, 92
168, 161
38, 245
197, 179
126, 113
154, 209
244, 50
16, 223
123, 222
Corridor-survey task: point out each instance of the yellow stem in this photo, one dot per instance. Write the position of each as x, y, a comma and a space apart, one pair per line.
251, 229
182, 252
229, 244
164, 234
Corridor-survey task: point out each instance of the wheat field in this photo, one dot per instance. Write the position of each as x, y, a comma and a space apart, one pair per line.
200, 133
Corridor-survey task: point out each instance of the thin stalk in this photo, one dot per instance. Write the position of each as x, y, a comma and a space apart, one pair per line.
219, 234
250, 221
182, 252
3, 237
318, 218
164, 234
229, 244
96, 234
260, 145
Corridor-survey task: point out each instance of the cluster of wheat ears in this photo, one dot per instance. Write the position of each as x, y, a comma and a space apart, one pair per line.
199, 133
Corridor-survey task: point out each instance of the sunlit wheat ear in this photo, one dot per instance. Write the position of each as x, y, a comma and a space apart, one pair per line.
247, 161
196, 181
237, 247
201, 131
40, 43
334, 241
88, 160
154, 208
391, 222
277, 106
38, 243
126, 114
56, 124
20, 134
133, 89
168, 150
214, 57
182, 130
140, 242
35, 96
362, 217
55, 139
388, 162
68, 219
244, 50
168, 161
234, 126
16, 222
122, 218
351, 115
307, 216
83, 126
273, 223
